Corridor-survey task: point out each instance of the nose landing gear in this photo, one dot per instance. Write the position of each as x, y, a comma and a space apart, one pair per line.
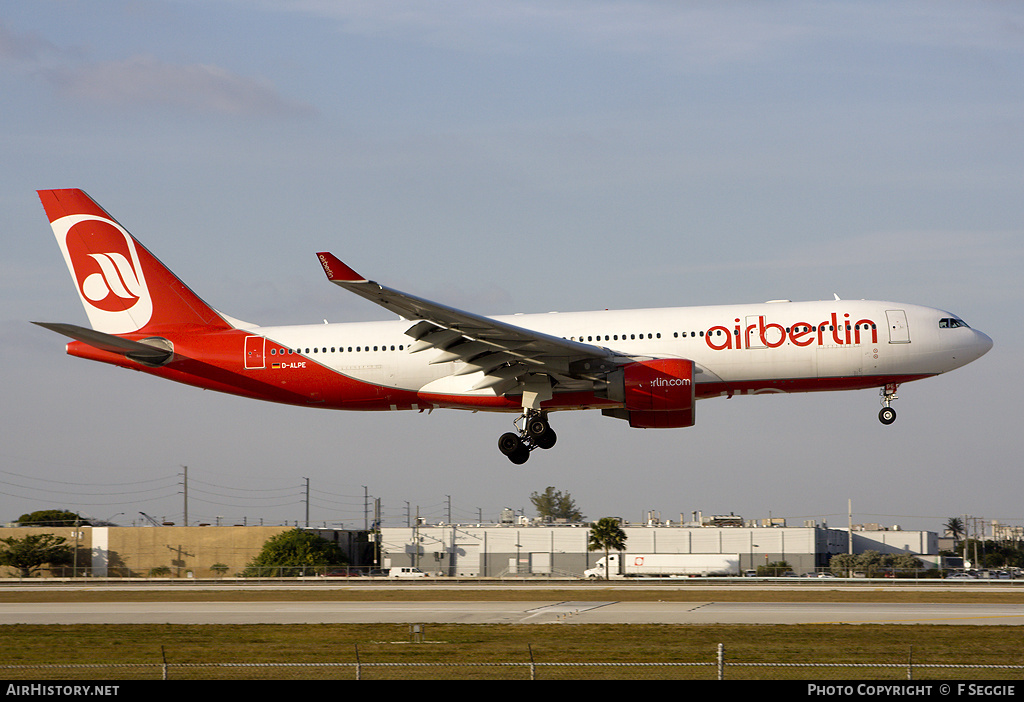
887, 415
535, 433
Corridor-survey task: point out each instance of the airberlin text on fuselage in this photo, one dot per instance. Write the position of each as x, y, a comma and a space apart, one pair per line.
772, 335
669, 382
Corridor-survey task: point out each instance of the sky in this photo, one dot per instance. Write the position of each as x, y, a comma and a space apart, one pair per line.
516, 156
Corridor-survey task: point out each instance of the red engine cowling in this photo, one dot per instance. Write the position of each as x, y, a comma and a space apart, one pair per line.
657, 394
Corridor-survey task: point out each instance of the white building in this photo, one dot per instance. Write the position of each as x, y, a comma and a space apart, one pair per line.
496, 550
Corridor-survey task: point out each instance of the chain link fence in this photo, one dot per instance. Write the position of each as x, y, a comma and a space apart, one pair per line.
358, 668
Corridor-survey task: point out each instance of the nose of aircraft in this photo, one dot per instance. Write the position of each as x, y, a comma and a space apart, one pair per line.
969, 347
982, 343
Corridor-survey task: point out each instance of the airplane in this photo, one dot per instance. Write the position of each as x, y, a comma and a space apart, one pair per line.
644, 366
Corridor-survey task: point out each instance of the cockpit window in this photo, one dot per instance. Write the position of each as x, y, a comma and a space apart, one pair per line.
951, 323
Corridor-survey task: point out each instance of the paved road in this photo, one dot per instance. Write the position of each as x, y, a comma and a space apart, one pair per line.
539, 612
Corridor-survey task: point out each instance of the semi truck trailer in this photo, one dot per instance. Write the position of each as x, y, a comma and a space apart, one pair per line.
664, 565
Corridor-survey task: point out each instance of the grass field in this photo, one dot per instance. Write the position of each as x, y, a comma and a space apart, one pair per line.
122, 652
109, 646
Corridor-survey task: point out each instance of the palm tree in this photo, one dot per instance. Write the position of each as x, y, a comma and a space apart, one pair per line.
955, 526
606, 534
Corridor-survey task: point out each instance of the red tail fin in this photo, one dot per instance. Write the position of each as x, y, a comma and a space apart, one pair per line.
123, 287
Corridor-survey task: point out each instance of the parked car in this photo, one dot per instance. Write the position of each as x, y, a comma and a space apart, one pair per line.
342, 573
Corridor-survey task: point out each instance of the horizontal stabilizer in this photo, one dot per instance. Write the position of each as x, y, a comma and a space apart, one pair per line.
137, 350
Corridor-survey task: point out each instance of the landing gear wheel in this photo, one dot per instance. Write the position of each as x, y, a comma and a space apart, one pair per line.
514, 447
520, 455
534, 433
887, 415
539, 432
509, 443
537, 426
545, 440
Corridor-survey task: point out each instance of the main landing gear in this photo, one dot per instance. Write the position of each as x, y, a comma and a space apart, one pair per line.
534, 433
887, 415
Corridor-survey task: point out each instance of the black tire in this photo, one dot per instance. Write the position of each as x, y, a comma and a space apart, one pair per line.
537, 427
509, 443
546, 440
520, 455
887, 415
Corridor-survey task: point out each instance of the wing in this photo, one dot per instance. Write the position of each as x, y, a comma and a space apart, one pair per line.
507, 355
136, 350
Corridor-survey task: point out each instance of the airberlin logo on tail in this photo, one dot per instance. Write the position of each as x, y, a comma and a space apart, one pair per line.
115, 283
104, 263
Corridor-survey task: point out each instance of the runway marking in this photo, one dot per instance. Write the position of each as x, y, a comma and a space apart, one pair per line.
565, 608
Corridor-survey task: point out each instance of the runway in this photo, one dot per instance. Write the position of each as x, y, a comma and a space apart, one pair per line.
499, 612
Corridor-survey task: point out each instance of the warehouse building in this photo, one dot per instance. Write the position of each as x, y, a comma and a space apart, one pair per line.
526, 548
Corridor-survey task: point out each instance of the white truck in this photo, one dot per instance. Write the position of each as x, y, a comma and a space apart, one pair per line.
406, 572
665, 565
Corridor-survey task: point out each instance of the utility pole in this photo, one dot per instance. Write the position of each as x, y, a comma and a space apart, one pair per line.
849, 535
376, 532
185, 485
78, 522
307, 502
849, 524
966, 535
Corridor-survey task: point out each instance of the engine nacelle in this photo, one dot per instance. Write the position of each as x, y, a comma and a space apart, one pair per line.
654, 394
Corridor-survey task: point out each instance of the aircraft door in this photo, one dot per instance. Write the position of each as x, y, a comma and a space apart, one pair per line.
255, 347
899, 331
753, 340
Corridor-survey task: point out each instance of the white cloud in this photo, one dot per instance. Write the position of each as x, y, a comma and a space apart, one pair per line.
143, 81
147, 81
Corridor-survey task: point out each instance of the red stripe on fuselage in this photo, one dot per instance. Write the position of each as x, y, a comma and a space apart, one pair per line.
215, 360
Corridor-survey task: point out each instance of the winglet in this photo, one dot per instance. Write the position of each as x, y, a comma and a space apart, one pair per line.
337, 271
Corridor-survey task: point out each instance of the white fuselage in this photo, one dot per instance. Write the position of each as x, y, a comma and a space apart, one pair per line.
768, 347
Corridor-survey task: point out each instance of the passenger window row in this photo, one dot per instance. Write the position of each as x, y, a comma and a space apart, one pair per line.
616, 337
694, 334
338, 349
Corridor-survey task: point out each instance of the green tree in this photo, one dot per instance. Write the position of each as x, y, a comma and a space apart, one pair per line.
872, 563
31, 553
52, 518
606, 534
842, 565
293, 553
907, 562
774, 569
556, 504
955, 526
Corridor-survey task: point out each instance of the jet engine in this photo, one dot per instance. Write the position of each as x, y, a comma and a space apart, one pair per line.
656, 394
